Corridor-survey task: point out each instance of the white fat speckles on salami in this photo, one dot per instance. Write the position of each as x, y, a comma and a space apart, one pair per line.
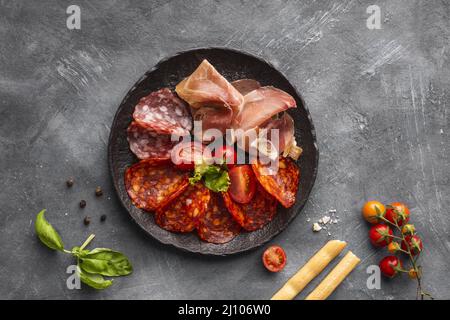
163, 112
146, 144
182, 213
217, 225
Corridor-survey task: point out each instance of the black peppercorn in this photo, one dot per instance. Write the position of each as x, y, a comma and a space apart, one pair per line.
69, 182
103, 217
87, 220
82, 203
98, 191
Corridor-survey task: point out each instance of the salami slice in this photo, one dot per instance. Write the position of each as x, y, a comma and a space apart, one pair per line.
283, 184
153, 183
147, 144
163, 112
183, 212
217, 225
255, 214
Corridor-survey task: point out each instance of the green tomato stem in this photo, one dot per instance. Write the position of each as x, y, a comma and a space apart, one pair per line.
411, 258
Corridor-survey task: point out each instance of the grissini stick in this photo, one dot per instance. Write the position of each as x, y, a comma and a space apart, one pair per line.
310, 270
335, 277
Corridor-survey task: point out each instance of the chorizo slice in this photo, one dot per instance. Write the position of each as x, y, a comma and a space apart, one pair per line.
255, 214
217, 225
283, 183
153, 183
164, 113
183, 212
146, 144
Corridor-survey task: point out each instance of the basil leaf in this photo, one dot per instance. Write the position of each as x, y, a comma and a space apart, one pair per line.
218, 182
47, 234
95, 281
105, 262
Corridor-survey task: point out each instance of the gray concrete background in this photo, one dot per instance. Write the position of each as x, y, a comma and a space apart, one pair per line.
379, 100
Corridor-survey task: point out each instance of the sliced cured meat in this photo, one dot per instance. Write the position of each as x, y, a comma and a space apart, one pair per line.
281, 183
282, 140
217, 225
153, 183
212, 118
255, 214
163, 112
186, 154
183, 212
207, 87
147, 144
260, 105
245, 86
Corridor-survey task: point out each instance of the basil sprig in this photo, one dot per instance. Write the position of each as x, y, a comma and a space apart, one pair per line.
92, 265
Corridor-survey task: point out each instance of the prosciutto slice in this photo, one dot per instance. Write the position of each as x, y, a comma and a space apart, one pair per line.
212, 118
260, 105
207, 87
245, 86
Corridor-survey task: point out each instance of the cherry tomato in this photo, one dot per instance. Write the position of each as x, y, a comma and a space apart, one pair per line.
372, 210
413, 243
393, 247
242, 183
185, 154
380, 235
226, 154
390, 266
412, 273
397, 212
408, 229
274, 258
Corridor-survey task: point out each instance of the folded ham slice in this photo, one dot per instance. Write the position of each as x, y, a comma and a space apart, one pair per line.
260, 105
245, 86
207, 87
212, 118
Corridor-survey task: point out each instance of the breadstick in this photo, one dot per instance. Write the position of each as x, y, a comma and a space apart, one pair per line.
334, 278
310, 270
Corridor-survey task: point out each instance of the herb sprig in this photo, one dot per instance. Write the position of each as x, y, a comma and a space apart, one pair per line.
92, 265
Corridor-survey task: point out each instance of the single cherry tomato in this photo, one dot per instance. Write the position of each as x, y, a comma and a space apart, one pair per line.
413, 244
397, 212
186, 154
413, 273
390, 266
242, 183
409, 229
226, 154
393, 247
372, 210
380, 235
274, 258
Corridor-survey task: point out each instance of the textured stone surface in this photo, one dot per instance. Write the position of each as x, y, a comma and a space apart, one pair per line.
379, 100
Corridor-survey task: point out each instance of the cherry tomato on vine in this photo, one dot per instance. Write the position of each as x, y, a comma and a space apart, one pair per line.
274, 258
390, 266
372, 210
397, 212
413, 243
408, 229
380, 235
393, 247
413, 273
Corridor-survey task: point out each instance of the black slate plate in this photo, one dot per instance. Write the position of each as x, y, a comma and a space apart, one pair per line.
232, 65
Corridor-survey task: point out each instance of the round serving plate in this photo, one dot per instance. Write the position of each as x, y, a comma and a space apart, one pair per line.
233, 65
